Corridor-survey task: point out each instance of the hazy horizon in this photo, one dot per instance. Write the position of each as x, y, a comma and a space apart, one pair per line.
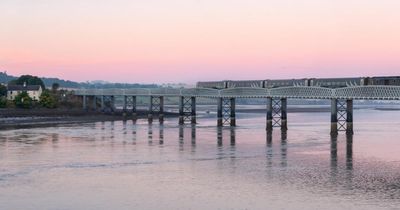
181, 41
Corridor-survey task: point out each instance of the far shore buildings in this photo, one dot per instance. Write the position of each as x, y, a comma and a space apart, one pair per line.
34, 91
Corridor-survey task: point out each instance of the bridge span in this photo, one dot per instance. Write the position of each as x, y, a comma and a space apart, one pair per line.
276, 116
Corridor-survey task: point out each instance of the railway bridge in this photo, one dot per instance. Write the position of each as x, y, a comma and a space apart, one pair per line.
276, 116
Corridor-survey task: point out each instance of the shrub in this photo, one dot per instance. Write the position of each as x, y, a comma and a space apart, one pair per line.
48, 100
23, 100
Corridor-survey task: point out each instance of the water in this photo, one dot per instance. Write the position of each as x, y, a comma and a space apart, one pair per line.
122, 165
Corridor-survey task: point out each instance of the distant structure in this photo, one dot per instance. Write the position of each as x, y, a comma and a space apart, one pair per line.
34, 91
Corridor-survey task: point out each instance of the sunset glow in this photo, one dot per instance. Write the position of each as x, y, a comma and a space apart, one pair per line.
156, 41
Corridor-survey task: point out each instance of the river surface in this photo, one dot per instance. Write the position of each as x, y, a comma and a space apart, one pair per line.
127, 165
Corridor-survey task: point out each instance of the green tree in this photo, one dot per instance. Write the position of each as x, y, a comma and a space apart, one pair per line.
48, 100
23, 100
54, 87
28, 80
3, 90
3, 102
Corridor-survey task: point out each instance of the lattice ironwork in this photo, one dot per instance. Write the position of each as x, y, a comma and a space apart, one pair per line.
187, 109
226, 111
130, 103
108, 103
155, 104
276, 112
359, 92
342, 115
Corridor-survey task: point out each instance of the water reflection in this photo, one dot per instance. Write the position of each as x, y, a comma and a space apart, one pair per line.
283, 149
161, 134
150, 133
134, 131
334, 159
220, 134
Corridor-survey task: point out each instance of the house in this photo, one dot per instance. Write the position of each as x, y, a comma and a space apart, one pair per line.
34, 91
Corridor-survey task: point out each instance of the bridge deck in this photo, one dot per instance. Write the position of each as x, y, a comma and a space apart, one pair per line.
300, 92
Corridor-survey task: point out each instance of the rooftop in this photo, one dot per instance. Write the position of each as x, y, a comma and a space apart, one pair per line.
23, 88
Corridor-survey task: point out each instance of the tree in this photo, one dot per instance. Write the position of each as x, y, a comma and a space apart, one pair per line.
3, 102
3, 90
54, 87
48, 100
23, 100
28, 80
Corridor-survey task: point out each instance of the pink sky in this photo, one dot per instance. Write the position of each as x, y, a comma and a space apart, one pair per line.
189, 40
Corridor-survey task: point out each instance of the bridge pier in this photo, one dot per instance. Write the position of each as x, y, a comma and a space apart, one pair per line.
187, 110
102, 106
276, 113
226, 112
349, 121
129, 106
342, 116
156, 106
107, 104
84, 101
94, 103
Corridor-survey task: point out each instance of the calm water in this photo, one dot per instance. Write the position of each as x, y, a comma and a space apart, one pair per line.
122, 165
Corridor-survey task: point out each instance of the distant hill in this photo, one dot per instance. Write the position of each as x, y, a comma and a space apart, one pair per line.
5, 78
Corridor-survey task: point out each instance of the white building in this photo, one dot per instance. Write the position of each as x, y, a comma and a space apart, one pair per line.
34, 91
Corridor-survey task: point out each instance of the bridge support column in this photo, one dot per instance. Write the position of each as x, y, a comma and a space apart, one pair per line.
112, 104
102, 103
226, 112
156, 106
284, 114
269, 115
84, 101
150, 115
132, 101
94, 103
233, 111
342, 116
187, 110
219, 112
276, 113
161, 110
334, 117
349, 120
193, 113
124, 106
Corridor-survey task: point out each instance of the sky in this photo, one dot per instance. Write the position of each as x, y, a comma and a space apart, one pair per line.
173, 41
